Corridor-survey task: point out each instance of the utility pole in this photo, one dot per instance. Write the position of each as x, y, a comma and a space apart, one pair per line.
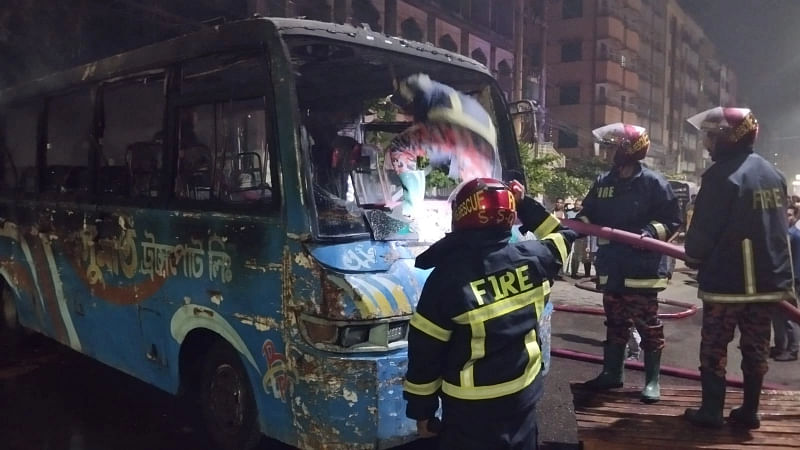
519, 48
543, 56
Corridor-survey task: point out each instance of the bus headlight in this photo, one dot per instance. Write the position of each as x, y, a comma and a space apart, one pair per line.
377, 335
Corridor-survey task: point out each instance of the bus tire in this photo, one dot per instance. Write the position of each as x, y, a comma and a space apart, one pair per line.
227, 406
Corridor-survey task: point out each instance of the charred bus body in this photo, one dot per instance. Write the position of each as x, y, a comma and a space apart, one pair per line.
177, 212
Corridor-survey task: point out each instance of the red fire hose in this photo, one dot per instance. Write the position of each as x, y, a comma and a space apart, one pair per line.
655, 245
666, 249
666, 370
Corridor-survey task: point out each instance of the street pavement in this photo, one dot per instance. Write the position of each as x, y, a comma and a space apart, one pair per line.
53, 398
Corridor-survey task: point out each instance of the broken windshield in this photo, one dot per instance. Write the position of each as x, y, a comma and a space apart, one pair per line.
349, 125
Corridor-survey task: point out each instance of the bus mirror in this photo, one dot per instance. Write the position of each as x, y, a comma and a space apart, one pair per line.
523, 116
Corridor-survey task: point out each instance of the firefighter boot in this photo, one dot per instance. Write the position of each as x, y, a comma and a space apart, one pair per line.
710, 413
746, 415
652, 369
613, 363
587, 269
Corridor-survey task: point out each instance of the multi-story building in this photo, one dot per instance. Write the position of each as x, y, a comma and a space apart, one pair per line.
481, 29
644, 62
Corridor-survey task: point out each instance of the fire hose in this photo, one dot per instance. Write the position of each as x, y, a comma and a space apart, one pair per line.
666, 249
655, 245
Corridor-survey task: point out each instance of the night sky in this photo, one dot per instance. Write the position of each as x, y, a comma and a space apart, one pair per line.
760, 39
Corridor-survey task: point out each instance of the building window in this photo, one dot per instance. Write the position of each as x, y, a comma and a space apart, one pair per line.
601, 94
411, 30
446, 42
504, 76
569, 95
365, 12
504, 21
567, 139
481, 13
479, 56
571, 9
313, 9
571, 51
603, 51
536, 55
451, 5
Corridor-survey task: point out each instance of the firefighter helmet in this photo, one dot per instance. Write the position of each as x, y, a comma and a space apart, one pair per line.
629, 142
726, 129
483, 203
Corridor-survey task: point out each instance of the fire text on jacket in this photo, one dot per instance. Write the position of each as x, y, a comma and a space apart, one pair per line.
501, 285
768, 199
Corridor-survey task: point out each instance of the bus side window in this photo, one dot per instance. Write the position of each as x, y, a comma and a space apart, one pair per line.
133, 140
19, 163
69, 141
223, 153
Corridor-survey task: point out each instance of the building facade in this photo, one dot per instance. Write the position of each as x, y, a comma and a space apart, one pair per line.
644, 62
480, 29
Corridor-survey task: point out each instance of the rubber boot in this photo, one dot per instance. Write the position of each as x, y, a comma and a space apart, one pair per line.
611, 376
710, 413
652, 369
587, 269
746, 416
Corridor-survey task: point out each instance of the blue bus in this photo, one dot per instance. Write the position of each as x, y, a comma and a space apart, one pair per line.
180, 212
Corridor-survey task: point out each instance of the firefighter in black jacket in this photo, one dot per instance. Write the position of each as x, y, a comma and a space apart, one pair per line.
631, 198
739, 244
473, 340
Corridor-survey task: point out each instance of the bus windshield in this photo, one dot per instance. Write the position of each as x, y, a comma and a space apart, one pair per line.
348, 121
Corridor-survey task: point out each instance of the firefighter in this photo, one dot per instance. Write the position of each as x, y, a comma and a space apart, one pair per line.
474, 340
632, 198
738, 243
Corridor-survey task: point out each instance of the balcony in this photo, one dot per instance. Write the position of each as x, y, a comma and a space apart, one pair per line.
609, 101
610, 72
611, 26
607, 113
632, 40
618, 69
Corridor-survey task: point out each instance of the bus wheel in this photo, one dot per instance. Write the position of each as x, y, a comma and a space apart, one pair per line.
226, 400
8, 313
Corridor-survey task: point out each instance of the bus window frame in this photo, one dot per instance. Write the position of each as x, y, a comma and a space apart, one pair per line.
40, 104
102, 199
179, 100
44, 139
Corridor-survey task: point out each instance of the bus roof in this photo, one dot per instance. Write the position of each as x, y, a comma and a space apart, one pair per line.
238, 34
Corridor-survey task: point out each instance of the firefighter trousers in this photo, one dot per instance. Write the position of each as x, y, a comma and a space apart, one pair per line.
624, 311
512, 432
719, 323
